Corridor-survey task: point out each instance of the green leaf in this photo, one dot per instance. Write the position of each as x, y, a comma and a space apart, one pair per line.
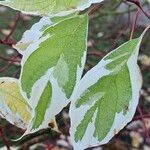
49, 7
57, 62
105, 99
13, 106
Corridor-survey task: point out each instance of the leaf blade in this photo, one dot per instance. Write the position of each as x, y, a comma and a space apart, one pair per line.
49, 7
97, 91
14, 108
58, 50
59, 60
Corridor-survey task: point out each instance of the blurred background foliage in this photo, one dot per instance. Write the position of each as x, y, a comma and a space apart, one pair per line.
110, 26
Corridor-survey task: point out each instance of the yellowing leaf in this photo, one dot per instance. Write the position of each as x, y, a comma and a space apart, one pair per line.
13, 107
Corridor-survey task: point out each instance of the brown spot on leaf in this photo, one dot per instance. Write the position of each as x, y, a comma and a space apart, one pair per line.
51, 125
2, 82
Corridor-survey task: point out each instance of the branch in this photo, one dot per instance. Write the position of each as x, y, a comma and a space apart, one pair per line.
134, 24
13, 27
138, 4
8, 42
144, 126
4, 139
8, 64
9, 59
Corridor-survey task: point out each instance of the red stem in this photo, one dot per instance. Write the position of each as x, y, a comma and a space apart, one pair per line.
8, 64
134, 24
9, 59
14, 27
138, 4
4, 139
144, 126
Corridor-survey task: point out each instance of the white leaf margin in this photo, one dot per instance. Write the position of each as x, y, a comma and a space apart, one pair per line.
120, 120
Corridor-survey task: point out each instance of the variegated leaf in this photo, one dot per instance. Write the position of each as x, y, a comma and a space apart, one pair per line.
51, 71
106, 98
31, 37
49, 7
13, 107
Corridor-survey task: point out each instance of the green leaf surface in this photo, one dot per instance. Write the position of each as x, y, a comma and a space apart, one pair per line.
49, 7
60, 59
105, 99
